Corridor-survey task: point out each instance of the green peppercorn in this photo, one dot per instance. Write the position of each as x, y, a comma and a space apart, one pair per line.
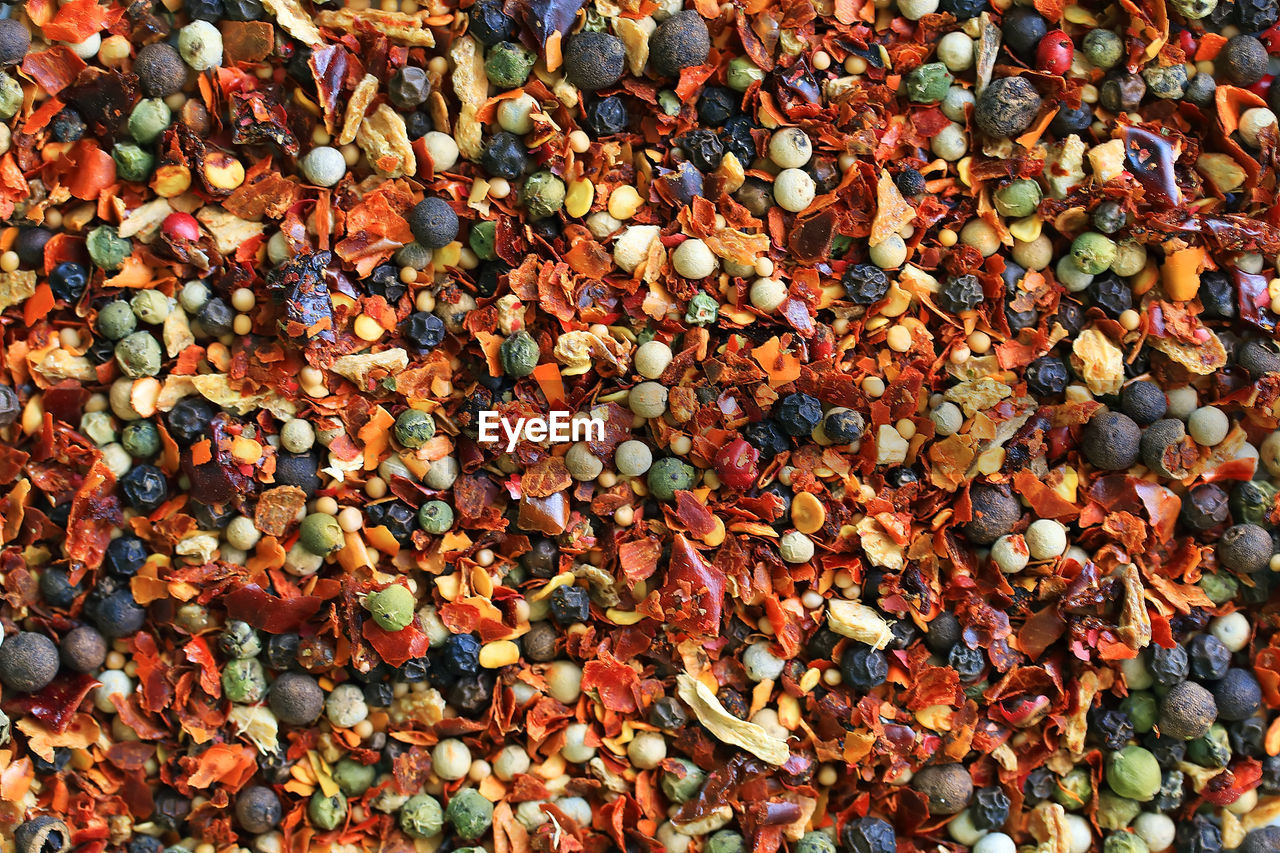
148, 120
141, 439
469, 813
1018, 198
99, 427
508, 64
682, 785
1143, 710
483, 235
728, 841
1133, 772
1075, 789
929, 83
518, 354
542, 194
813, 841
10, 97
107, 249
320, 534
1166, 81
1093, 253
669, 475
392, 608
150, 306
243, 681
354, 778
132, 163
1124, 842
139, 355
435, 517
1212, 749
703, 310
1219, 588
1103, 48
421, 816
327, 813
1116, 812
742, 73
414, 428
116, 320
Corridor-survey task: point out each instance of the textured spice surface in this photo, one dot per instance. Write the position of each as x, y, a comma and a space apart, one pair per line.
930, 501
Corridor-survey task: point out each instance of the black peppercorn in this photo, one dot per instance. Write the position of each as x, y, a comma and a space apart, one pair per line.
1111, 441
1258, 358
679, 42
30, 242
995, 512
865, 284
717, 105
1205, 507
83, 649
869, 835
570, 605
798, 414
28, 662
67, 126
594, 60
539, 644
116, 614
1244, 60
433, 223
160, 69
1245, 548
959, 294
258, 809
1122, 92
703, 148
1022, 29
1144, 401
862, 667
1008, 105
296, 699
409, 87
606, 116
489, 23
542, 560
505, 157
15, 41
43, 834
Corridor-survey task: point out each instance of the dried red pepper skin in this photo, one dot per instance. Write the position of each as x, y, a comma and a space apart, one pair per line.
737, 464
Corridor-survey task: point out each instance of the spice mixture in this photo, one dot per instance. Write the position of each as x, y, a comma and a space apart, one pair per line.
929, 500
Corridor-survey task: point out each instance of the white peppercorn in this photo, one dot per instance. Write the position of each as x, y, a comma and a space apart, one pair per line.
1046, 539
1010, 553
511, 762
947, 419
1232, 630
515, 114
790, 148
575, 749
582, 464
345, 706
1208, 426
648, 399
979, 234
242, 533
889, 253
297, 435
647, 750
200, 44
760, 663
767, 294
564, 681
601, 224
442, 149
442, 473
632, 458
795, 547
1035, 254
324, 166
694, 259
451, 759
950, 143
794, 190
1253, 122
954, 103
1072, 277
955, 50
914, 10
